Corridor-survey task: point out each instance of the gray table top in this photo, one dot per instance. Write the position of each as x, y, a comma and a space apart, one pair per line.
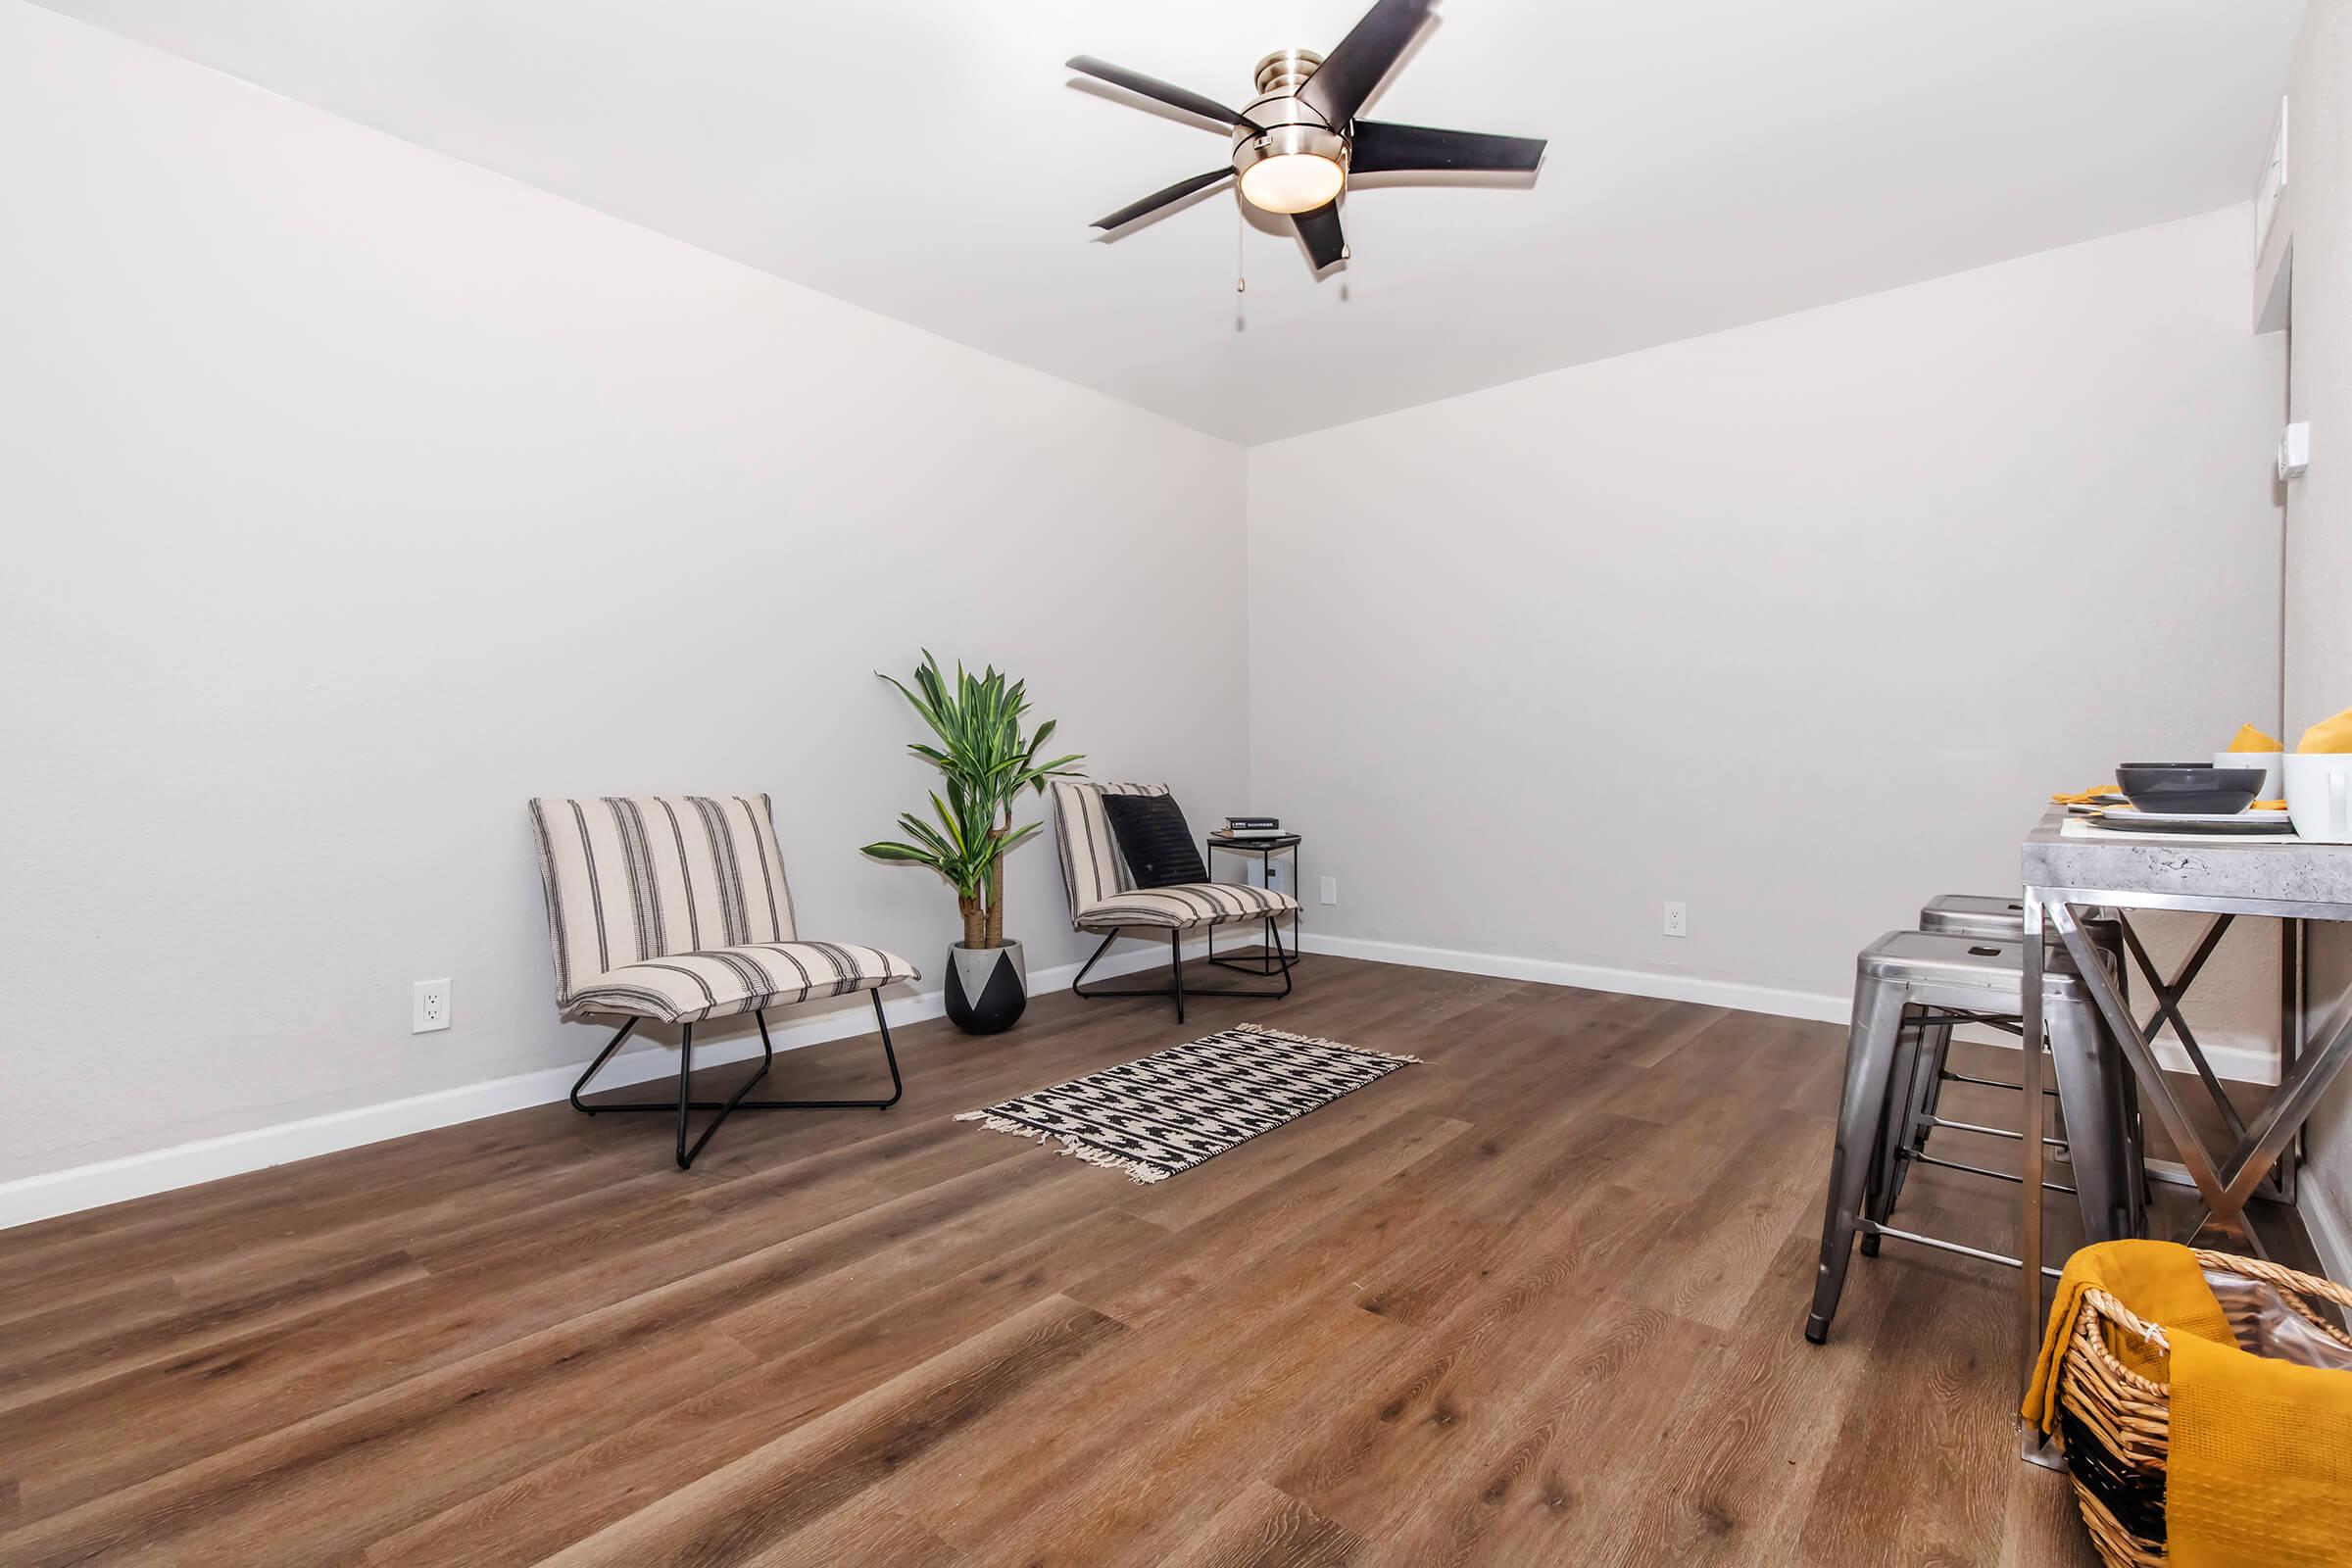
2316, 876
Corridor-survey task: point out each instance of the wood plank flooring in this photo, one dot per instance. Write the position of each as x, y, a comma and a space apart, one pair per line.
1536, 1301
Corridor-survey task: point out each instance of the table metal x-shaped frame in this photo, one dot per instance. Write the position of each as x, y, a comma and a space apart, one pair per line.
2168, 992
2226, 1185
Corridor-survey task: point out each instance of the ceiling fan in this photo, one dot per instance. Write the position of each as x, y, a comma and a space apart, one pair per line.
1298, 140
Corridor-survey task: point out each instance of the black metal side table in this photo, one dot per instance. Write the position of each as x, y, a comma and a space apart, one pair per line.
1265, 848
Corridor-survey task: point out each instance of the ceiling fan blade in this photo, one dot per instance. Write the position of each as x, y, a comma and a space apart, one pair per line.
1376, 146
1349, 72
1153, 87
1320, 229
1160, 198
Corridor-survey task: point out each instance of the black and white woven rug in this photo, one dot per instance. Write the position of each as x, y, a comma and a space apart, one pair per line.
1167, 1113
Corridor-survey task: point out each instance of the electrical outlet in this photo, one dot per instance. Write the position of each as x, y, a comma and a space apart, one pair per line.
428, 1007
1331, 890
1678, 920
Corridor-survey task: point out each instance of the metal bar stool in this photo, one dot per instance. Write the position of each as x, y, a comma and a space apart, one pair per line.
1909, 975
1959, 914
2002, 919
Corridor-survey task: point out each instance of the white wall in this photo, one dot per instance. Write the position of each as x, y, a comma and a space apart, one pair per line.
2317, 220
1751, 621
352, 495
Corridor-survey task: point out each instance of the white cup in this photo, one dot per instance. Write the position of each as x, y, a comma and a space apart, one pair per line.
2268, 761
2319, 795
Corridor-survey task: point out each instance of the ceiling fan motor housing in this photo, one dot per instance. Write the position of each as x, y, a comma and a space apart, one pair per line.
1285, 125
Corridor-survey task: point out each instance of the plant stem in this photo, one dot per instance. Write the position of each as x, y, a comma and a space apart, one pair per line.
996, 885
976, 922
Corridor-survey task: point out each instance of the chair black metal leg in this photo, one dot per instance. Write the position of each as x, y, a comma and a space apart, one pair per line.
897, 1086
733, 1103
685, 1093
684, 1100
1176, 988
601, 1057
1078, 982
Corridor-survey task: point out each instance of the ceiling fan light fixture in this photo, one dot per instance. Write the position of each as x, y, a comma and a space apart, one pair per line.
1292, 183
1291, 169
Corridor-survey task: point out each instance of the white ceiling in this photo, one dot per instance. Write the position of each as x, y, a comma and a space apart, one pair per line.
1712, 162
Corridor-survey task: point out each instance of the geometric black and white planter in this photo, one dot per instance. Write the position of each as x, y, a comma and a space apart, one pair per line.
987, 987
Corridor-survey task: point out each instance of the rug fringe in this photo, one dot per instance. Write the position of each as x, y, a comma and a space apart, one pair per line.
1136, 1170
1336, 1045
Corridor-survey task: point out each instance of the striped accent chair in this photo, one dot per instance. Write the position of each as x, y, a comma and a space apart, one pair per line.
1104, 896
673, 907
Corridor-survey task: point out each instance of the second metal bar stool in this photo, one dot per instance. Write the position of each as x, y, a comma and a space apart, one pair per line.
1959, 914
1973, 915
2002, 919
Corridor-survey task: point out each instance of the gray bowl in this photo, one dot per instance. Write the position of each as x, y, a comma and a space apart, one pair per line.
2179, 789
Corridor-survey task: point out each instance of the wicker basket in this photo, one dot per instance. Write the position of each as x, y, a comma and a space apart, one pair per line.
2117, 1423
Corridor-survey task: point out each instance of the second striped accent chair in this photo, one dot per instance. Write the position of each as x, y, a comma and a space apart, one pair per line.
673, 907
1104, 896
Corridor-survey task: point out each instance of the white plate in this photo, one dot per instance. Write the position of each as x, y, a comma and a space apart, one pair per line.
2247, 815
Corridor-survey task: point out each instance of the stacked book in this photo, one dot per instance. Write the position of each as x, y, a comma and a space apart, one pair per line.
1254, 827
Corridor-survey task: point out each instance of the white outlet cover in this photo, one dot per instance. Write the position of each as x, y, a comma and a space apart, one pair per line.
1678, 920
1331, 890
428, 1007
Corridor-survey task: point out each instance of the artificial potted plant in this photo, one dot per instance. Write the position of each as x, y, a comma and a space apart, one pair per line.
986, 762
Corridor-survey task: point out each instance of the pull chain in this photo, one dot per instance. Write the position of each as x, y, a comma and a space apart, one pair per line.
1240, 273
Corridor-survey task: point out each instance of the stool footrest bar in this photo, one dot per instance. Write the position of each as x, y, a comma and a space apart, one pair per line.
1916, 1157
1952, 1077
1989, 1132
1872, 1228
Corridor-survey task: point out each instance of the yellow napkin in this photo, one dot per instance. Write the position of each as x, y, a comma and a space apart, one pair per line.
2260, 1472
2250, 739
2159, 1280
2083, 797
2267, 806
2329, 734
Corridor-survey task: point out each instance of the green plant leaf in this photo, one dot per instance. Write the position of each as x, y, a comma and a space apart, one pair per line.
901, 851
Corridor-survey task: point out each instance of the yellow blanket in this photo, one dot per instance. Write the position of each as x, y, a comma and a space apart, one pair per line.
2159, 1280
2259, 1473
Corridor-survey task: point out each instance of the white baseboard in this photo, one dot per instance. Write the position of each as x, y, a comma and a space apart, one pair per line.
114, 1181
1818, 1005
2233, 1059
